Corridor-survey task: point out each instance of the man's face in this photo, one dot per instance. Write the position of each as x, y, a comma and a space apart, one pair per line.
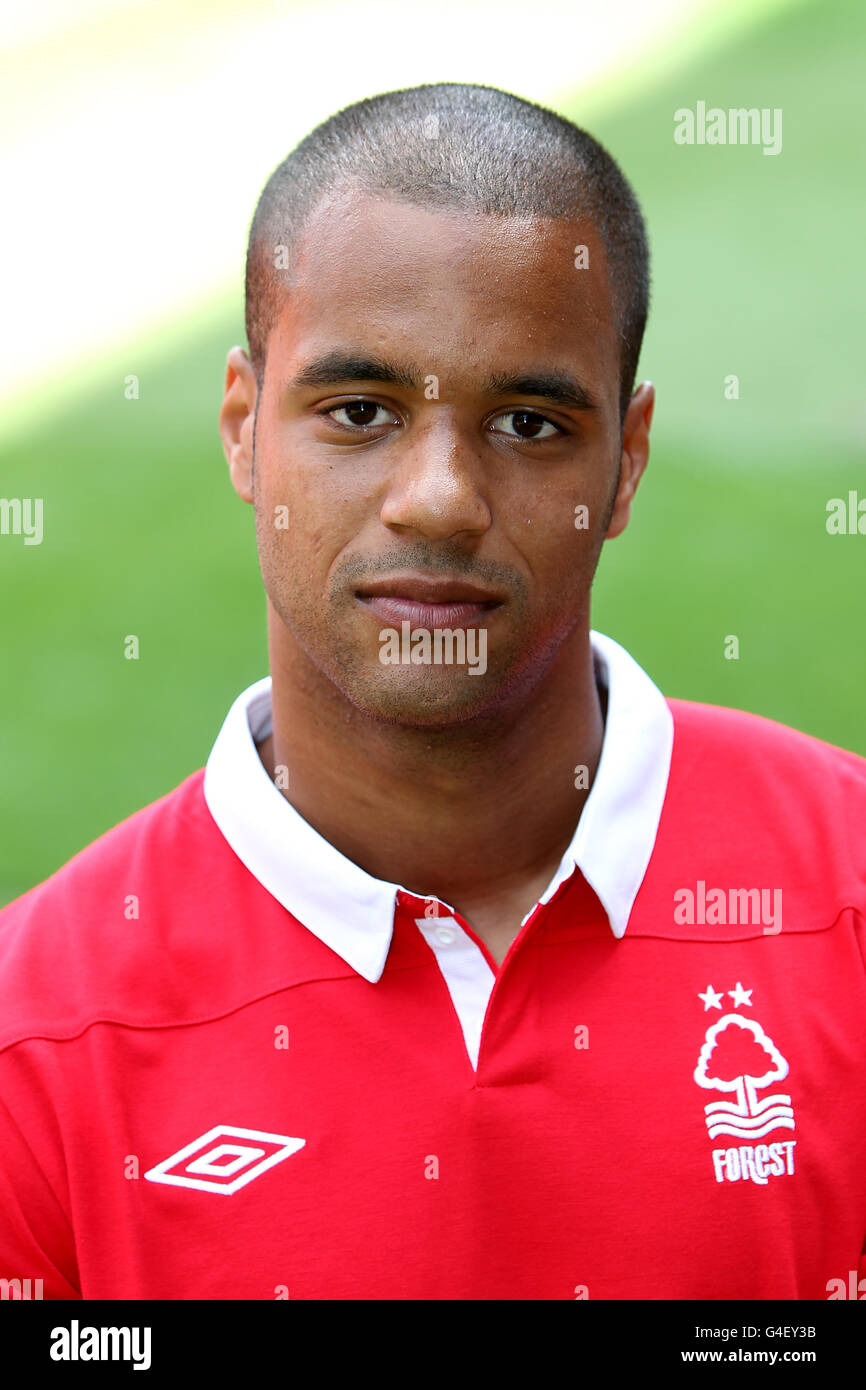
462, 470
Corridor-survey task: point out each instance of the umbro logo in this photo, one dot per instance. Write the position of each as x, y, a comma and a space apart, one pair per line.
218, 1162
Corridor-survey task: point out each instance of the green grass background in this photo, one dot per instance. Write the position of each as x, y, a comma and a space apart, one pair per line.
757, 270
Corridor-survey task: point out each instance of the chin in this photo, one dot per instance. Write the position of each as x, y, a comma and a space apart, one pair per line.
406, 702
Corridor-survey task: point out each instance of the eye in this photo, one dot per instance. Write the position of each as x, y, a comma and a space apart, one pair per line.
359, 414
527, 424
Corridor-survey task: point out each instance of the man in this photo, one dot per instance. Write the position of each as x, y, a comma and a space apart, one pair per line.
470, 967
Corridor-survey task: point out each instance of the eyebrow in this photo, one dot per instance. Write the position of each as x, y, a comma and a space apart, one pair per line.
333, 368
551, 385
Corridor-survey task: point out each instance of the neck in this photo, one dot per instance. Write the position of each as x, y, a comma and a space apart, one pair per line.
477, 814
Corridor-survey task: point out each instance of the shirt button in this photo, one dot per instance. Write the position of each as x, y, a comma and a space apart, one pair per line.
447, 935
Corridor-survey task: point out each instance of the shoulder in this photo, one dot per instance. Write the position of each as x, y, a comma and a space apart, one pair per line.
753, 744
84, 943
752, 792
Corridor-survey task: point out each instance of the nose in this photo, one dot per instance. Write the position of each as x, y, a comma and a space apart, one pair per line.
437, 486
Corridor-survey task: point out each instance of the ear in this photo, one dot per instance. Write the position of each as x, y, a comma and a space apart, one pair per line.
635, 455
236, 421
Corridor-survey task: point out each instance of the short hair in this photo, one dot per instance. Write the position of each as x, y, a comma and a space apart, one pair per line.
454, 146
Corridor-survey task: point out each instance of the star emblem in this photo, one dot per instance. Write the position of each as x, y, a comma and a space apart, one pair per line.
711, 999
740, 995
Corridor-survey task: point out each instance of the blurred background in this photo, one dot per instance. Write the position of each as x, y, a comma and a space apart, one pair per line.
134, 142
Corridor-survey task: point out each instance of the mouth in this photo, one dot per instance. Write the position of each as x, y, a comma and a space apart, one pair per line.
428, 602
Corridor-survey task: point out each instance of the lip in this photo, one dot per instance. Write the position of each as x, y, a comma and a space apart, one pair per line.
428, 601
395, 611
428, 589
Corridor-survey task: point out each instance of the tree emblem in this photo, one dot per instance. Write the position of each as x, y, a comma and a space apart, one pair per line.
737, 1056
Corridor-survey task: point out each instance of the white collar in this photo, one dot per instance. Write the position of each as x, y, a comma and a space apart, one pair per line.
351, 911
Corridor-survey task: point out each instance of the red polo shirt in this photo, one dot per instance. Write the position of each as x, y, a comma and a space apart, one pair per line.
234, 1065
